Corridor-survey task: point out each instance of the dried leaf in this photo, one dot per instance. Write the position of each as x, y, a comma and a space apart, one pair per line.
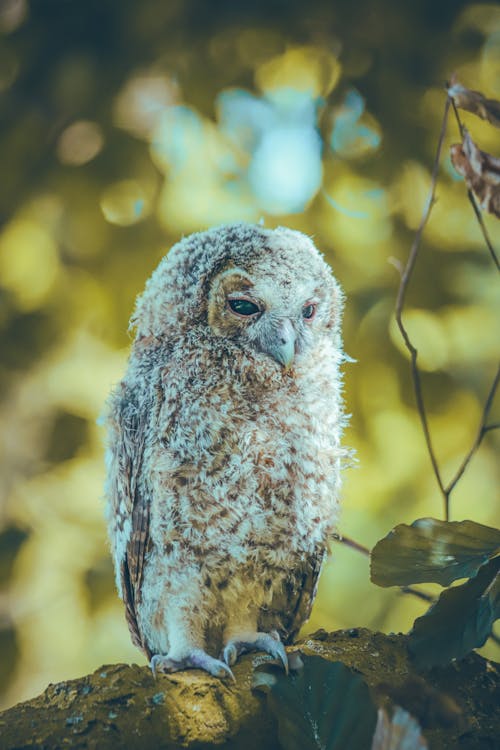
460, 620
402, 732
432, 551
475, 102
481, 172
325, 706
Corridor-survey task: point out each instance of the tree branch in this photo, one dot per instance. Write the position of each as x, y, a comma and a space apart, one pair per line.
419, 594
348, 542
400, 301
482, 430
122, 706
446, 490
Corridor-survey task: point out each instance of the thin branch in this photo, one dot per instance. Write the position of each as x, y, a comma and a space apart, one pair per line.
484, 427
405, 279
400, 301
348, 542
457, 116
481, 432
486, 236
419, 594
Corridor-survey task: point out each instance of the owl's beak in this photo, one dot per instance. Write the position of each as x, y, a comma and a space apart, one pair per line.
282, 345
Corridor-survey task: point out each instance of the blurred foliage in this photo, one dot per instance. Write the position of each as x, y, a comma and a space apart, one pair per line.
124, 125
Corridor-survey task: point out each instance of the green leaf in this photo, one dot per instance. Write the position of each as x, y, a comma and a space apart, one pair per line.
402, 732
460, 620
432, 551
324, 705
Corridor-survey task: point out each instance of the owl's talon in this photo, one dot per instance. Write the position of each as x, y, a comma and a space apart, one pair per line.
197, 659
267, 642
230, 654
276, 649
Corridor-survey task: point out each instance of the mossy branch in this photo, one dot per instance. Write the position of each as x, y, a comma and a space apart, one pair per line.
124, 706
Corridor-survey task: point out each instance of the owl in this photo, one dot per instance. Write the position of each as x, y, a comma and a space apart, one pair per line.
224, 454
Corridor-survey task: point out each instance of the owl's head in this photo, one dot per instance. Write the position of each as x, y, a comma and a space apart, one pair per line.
280, 301
268, 291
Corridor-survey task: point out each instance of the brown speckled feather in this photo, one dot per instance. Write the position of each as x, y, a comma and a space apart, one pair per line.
292, 606
132, 425
305, 589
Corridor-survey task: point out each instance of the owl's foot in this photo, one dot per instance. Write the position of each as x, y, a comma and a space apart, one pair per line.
197, 659
256, 642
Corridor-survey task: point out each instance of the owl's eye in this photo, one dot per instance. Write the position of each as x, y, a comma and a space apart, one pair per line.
309, 311
243, 307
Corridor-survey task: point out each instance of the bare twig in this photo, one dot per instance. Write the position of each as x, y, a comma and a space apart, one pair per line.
353, 545
484, 426
446, 490
457, 117
482, 430
403, 286
419, 594
486, 236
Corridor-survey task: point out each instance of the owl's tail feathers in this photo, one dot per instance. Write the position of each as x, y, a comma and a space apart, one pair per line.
196, 659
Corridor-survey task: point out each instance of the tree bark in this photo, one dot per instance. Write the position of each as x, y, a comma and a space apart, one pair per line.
123, 706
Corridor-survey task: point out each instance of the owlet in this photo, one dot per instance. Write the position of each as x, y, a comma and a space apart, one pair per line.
223, 462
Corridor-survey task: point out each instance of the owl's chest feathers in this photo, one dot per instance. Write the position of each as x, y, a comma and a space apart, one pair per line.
247, 472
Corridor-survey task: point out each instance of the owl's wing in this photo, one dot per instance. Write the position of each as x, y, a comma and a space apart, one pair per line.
299, 594
130, 414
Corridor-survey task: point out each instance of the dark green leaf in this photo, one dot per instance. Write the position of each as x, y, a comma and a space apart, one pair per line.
402, 732
432, 551
324, 705
460, 620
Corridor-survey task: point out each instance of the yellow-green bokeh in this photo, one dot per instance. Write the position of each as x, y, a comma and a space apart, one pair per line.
183, 141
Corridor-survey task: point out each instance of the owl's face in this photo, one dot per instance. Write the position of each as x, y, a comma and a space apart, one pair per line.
268, 291
272, 308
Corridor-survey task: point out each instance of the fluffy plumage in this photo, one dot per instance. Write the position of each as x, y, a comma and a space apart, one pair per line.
224, 447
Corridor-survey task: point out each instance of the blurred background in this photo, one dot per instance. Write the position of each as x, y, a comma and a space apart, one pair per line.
123, 126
